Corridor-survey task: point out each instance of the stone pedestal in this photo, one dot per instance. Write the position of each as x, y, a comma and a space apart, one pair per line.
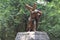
32, 36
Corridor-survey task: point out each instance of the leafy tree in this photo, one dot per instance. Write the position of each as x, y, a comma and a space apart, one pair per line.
14, 16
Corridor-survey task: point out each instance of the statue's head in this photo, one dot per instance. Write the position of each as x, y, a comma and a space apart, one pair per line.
34, 6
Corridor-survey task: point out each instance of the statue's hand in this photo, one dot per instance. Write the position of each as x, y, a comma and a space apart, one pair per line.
28, 7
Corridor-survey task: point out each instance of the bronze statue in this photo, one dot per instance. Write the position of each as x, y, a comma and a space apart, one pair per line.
33, 18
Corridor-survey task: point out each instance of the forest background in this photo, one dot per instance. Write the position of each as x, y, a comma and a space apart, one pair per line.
14, 15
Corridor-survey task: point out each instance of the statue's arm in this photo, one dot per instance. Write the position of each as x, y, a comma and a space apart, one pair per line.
40, 12
28, 7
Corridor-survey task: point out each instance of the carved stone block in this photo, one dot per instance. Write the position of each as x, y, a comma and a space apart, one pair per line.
32, 36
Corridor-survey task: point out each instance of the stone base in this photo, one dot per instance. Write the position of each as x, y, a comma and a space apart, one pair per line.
32, 36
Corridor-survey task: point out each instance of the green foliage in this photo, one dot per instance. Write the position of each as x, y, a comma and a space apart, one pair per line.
14, 15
